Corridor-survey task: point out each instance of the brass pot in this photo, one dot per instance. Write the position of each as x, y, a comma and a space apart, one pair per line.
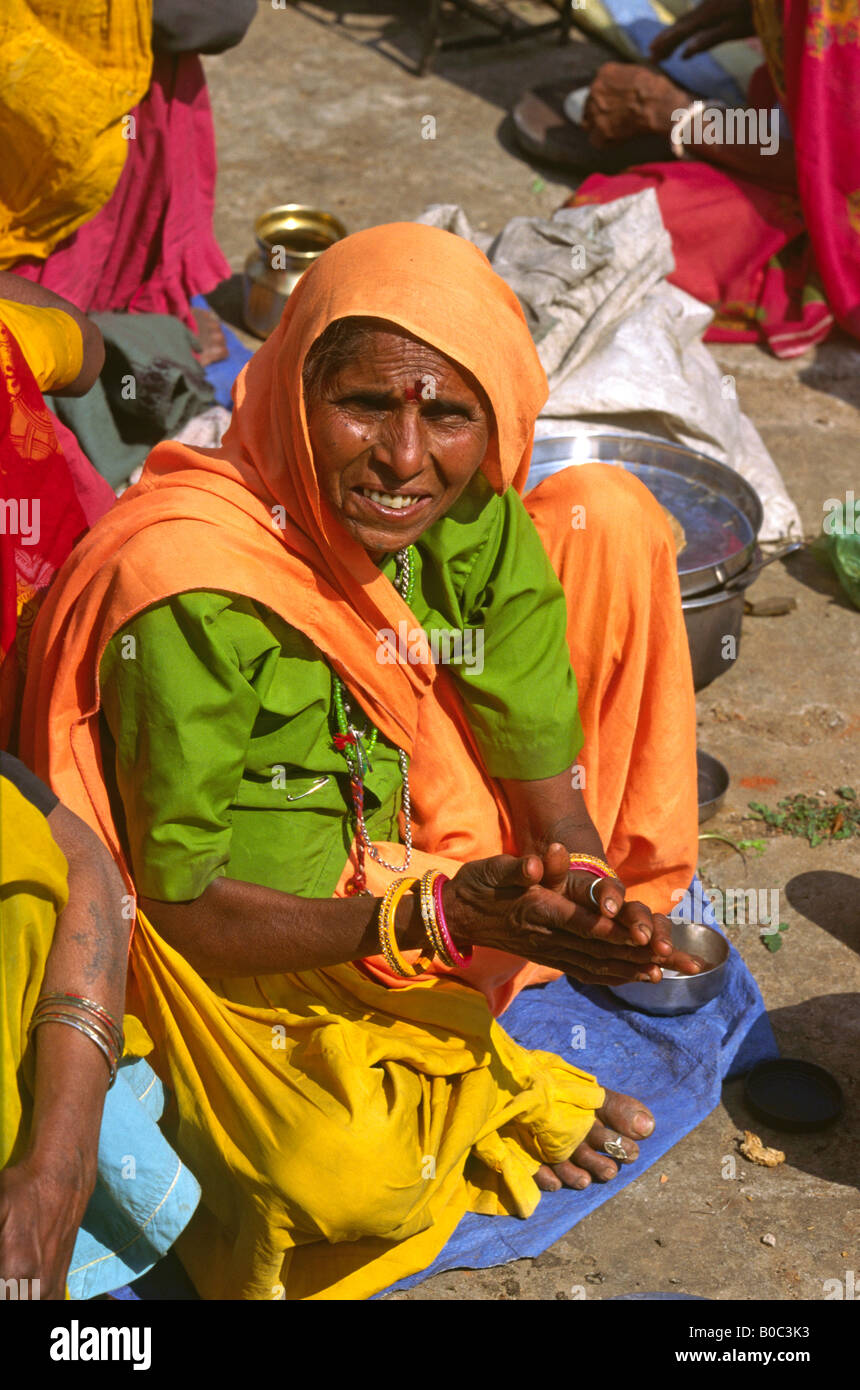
289, 239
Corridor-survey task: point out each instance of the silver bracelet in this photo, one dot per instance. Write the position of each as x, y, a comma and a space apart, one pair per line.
92, 1012
88, 1032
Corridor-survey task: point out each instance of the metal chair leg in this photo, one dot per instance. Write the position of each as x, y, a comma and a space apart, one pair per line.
431, 37
431, 42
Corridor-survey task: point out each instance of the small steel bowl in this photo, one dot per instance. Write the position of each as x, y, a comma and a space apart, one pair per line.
682, 994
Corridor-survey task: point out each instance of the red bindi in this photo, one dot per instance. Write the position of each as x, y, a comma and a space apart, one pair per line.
412, 393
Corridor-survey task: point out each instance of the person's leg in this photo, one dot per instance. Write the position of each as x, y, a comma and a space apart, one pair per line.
610, 544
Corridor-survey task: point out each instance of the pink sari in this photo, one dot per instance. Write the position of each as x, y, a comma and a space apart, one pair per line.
821, 43
778, 266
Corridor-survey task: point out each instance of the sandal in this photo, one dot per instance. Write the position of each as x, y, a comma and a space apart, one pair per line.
543, 131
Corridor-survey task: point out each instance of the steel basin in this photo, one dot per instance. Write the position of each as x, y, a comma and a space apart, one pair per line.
719, 510
709, 620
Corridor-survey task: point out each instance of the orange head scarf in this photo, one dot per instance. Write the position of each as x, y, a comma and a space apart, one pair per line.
203, 519
438, 287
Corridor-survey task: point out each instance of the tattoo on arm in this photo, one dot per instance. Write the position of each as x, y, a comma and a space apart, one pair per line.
101, 949
108, 946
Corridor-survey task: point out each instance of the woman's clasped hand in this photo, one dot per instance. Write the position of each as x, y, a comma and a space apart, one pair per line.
532, 907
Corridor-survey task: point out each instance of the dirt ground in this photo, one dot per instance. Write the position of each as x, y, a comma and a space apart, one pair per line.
318, 105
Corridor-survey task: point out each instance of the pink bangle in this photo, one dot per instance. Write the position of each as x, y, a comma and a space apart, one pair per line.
458, 959
590, 864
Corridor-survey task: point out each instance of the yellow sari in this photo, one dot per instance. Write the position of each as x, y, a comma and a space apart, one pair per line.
340, 1129
33, 893
70, 73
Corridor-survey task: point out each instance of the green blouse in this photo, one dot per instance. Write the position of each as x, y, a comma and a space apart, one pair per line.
218, 715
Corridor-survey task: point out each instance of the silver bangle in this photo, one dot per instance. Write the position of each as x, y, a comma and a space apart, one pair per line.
88, 1032
59, 1011
92, 1012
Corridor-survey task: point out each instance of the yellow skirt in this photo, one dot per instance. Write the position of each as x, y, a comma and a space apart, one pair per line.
341, 1129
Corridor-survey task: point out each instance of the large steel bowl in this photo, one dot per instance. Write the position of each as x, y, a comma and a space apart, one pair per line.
682, 994
721, 514
720, 511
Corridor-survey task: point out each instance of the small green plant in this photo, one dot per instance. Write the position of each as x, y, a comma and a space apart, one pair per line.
773, 939
810, 817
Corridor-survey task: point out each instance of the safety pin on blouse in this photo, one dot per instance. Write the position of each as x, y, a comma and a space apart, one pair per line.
361, 747
321, 781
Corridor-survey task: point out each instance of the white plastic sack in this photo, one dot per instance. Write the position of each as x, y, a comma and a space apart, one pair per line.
621, 347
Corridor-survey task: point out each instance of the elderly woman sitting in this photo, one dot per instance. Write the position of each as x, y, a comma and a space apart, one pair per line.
234, 682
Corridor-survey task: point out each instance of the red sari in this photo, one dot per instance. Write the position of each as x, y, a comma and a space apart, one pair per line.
775, 266
41, 516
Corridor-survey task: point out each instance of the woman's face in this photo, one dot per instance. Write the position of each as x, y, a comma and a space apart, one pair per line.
396, 436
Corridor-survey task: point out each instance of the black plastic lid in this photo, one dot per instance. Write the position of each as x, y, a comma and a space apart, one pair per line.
788, 1093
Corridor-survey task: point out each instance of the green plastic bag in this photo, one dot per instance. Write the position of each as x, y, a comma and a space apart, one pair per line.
839, 546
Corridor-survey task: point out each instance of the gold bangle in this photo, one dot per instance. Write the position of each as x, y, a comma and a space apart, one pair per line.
387, 940
428, 916
587, 862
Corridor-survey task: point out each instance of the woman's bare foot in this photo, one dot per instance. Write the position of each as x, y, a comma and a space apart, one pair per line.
213, 344
619, 1117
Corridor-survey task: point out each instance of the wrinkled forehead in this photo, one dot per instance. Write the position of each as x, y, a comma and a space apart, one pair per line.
381, 351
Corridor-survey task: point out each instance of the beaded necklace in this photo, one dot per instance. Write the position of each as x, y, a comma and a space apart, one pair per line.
357, 751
